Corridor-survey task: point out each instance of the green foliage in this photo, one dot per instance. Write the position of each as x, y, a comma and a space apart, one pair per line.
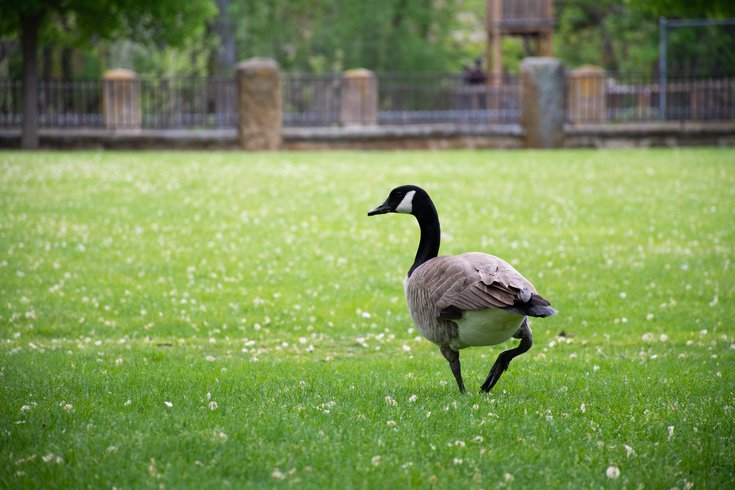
189, 59
321, 36
606, 34
158, 24
387, 35
165, 21
685, 9
702, 50
623, 36
252, 293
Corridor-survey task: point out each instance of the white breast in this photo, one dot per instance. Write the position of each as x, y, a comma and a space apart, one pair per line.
486, 327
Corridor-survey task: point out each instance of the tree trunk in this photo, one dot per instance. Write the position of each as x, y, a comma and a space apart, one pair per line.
29, 46
224, 62
66, 61
47, 62
224, 28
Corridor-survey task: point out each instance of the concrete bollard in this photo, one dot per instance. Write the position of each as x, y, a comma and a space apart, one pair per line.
259, 104
542, 102
121, 100
359, 105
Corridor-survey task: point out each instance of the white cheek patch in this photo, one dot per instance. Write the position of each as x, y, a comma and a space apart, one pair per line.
406, 204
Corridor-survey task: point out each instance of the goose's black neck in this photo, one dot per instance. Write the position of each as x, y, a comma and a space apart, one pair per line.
428, 220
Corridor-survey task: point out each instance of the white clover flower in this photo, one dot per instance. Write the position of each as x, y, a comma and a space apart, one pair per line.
612, 472
278, 474
375, 460
213, 406
390, 400
413, 398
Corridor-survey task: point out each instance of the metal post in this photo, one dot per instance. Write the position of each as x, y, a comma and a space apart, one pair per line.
662, 67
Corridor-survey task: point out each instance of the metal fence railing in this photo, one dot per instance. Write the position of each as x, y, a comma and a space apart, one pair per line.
72, 103
311, 100
162, 103
403, 99
620, 98
188, 103
421, 98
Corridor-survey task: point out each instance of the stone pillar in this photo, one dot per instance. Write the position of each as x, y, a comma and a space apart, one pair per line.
587, 95
259, 104
359, 98
121, 100
542, 102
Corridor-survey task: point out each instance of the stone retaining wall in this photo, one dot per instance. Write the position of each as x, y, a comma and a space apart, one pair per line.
389, 137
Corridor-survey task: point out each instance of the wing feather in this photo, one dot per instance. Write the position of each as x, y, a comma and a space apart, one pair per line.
476, 281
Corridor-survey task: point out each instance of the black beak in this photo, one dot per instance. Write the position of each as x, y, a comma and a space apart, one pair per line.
382, 209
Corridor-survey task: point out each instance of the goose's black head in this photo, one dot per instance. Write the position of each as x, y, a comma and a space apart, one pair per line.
408, 199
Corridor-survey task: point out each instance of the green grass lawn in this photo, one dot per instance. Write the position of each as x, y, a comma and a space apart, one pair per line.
215, 320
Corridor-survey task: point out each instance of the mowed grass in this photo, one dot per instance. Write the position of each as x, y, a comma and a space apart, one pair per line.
215, 320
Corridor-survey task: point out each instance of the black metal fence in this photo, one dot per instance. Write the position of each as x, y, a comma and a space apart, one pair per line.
428, 98
620, 98
311, 100
188, 103
403, 99
163, 103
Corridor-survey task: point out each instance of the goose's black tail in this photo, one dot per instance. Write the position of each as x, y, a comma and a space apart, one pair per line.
536, 306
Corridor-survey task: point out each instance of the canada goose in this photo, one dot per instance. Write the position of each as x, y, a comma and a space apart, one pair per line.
459, 301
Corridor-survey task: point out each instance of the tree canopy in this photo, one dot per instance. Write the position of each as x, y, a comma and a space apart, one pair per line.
166, 37
159, 21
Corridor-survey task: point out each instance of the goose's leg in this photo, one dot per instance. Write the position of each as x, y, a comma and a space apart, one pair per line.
452, 356
501, 364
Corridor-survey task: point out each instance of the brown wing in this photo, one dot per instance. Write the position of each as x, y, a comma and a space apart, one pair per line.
472, 281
